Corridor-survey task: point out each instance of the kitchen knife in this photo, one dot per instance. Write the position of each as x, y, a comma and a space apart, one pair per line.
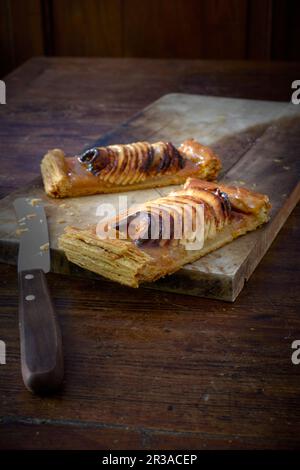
40, 337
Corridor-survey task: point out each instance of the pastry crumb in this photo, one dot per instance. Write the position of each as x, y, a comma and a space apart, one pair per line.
19, 231
61, 221
44, 247
34, 201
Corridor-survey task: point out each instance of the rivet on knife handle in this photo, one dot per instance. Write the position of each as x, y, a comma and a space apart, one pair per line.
40, 337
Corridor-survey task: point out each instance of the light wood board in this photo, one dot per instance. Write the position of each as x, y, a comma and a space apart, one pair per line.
259, 144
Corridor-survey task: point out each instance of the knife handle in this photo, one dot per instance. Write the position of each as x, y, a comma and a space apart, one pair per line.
40, 336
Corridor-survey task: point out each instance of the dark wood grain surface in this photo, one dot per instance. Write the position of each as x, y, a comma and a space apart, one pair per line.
183, 29
147, 369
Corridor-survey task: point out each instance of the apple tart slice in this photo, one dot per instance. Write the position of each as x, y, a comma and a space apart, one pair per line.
162, 235
127, 167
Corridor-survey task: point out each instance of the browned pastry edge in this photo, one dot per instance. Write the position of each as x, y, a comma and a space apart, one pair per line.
241, 199
123, 261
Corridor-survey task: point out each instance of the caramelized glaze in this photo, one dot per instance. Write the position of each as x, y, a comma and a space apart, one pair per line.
156, 222
131, 164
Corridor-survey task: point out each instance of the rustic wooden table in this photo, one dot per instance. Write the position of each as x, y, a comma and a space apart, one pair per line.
147, 369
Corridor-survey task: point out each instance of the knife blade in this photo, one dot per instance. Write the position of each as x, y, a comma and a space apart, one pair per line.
40, 336
34, 237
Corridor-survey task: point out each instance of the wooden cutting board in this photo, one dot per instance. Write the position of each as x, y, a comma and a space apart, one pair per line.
259, 144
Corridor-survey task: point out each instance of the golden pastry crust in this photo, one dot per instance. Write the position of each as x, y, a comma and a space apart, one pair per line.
134, 259
127, 167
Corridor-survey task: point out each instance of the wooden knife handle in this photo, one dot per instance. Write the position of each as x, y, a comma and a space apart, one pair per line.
40, 336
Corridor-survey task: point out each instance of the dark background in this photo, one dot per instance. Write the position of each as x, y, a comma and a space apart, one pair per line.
202, 29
